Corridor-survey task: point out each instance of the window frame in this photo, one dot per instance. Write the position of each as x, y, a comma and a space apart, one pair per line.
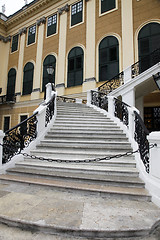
47, 36
17, 43
79, 23
29, 44
109, 11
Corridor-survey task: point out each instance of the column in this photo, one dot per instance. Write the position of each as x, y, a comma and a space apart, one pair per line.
4, 50
60, 83
37, 72
90, 80
19, 79
129, 97
127, 33
140, 106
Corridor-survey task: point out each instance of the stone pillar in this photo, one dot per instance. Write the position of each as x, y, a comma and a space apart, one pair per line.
38, 66
127, 33
129, 97
111, 106
140, 106
90, 80
4, 50
19, 79
60, 83
1, 148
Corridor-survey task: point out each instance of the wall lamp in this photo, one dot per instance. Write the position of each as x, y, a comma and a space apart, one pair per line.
156, 78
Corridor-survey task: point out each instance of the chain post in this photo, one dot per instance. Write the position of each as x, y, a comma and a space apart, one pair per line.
1, 146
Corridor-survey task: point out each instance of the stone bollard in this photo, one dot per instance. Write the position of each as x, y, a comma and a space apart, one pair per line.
1, 148
154, 138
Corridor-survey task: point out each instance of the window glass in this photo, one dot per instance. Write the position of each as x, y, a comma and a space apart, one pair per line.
14, 43
6, 123
52, 25
50, 60
76, 13
75, 67
107, 5
28, 78
31, 34
108, 58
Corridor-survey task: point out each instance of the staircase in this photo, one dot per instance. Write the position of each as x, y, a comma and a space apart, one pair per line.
81, 133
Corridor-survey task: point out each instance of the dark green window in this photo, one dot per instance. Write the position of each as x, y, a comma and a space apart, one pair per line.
107, 5
148, 41
28, 78
75, 67
50, 60
11, 84
76, 13
23, 128
15, 43
108, 58
6, 123
52, 25
31, 34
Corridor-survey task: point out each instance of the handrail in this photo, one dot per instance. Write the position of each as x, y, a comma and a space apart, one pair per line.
19, 137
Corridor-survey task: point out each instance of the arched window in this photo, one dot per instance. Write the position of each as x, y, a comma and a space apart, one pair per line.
148, 41
11, 84
50, 60
28, 78
75, 67
108, 58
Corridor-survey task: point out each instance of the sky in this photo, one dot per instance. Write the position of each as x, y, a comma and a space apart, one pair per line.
12, 6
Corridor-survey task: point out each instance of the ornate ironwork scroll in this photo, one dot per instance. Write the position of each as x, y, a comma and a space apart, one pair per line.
140, 137
99, 99
145, 63
19, 137
121, 111
112, 84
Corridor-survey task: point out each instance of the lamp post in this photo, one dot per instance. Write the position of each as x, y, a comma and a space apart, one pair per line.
156, 78
50, 71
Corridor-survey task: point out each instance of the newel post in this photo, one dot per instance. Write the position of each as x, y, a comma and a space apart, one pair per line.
1, 148
111, 105
154, 138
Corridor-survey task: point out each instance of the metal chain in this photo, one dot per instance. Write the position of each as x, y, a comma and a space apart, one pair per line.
107, 158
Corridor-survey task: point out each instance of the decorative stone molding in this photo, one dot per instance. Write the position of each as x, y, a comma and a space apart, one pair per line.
5, 39
60, 85
36, 90
63, 9
22, 31
93, 79
41, 21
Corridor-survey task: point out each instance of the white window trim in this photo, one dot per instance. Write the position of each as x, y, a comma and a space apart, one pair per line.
56, 27
82, 14
28, 45
110, 11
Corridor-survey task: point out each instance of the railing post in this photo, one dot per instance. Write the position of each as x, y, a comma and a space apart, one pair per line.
111, 106
131, 120
89, 97
127, 74
154, 138
1, 148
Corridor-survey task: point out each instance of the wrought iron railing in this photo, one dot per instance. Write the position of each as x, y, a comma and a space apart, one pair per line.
145, 63
19, 137
121, 111
49, 111
112, 84
7, 99
140, 136
99, 99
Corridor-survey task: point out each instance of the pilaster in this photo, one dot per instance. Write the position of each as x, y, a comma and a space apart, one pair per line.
127, 33
60, 83
38, 66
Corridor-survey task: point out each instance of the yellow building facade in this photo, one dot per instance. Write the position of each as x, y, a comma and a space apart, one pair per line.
87, 42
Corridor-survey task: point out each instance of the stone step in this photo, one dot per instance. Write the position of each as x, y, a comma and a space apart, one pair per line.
86, 146
77, 177
88, 133
104, 191
90, 168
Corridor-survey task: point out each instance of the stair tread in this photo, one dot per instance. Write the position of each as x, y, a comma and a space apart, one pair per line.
76, 185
